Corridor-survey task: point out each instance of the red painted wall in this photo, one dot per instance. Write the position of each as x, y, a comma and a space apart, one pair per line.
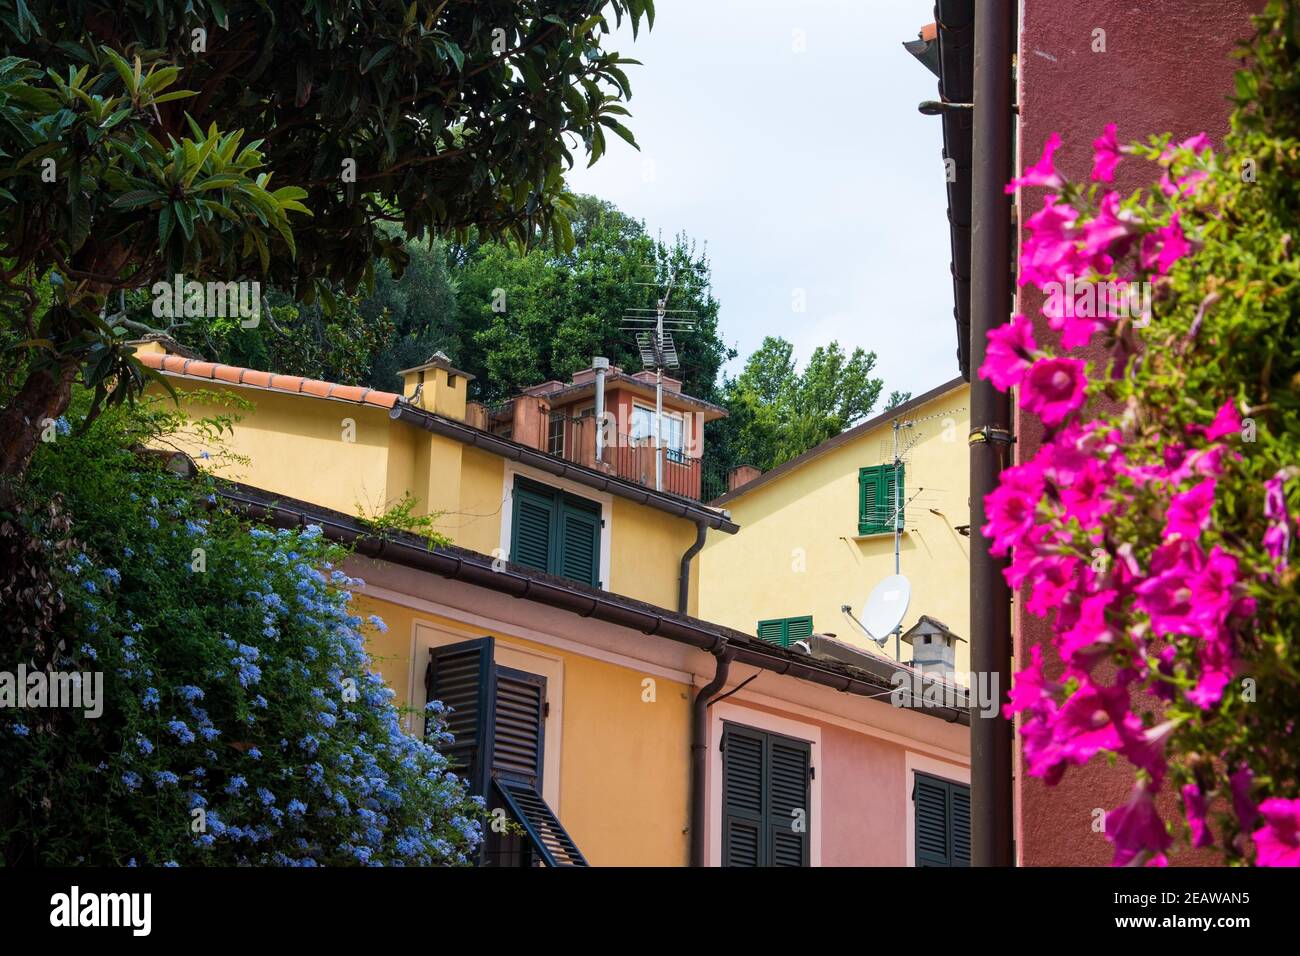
1165, 68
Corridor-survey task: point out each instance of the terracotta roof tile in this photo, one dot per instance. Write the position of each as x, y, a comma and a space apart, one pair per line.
347, 393
313, 387
286, 383
252, 378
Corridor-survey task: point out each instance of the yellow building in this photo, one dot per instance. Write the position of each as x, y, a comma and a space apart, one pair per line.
818, 530
590, 703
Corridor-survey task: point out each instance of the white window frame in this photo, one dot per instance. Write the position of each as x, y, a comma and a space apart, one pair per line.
604, 499
676, 417
912, 764
762, 720
426, 635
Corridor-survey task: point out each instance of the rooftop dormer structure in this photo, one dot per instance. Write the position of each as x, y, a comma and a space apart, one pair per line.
605, 418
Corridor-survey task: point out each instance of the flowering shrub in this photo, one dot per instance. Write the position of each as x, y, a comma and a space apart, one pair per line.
1154, 526
242, 723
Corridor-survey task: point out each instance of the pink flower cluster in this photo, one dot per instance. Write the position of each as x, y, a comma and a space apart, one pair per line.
1169, 618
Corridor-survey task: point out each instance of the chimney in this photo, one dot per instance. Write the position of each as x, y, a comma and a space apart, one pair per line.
437, 386
934, 647
601, 365
742, 475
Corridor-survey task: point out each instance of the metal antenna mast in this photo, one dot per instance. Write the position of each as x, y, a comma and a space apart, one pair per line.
659, 351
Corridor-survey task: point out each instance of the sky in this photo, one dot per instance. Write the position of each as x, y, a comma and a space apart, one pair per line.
785, 135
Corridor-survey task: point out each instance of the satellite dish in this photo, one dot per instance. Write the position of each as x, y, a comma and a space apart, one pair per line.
886, 606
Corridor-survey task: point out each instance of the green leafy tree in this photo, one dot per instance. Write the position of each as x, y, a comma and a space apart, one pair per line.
246, 140
528, 315
778, 412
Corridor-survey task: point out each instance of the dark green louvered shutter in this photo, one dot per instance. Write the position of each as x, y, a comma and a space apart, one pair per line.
765, 812
743, 783
788, 814
960, 825
517, 760
868, 485
531, 529
784, 631
877, 499
889, 493
942, 821
462, 676
772, 631
520, 722
579, 540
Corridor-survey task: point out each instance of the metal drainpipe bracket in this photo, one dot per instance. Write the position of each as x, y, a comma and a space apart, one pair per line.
990, 434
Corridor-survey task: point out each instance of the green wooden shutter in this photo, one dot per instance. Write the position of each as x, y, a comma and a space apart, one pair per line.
578, 554
743, 787
766, 817
876, 499
773, 631
941, 811
518, 741
520, 723
788, 812
797, 629
784, 631
463, 677
889, 485
960, 825
867, 494
531, 529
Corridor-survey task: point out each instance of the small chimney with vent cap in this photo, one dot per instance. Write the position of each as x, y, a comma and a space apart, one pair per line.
437, 386
934, 647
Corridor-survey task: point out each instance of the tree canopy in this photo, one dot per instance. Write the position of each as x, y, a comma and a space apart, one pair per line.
247, 140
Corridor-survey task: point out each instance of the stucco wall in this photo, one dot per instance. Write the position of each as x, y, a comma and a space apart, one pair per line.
798, 550
299, 446
1166, 69
622, 760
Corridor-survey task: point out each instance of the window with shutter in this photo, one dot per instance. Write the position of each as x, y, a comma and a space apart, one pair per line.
879, 503
941, 816
579, 551
556, 532
765, 790
498, 722
785, 630
534, 516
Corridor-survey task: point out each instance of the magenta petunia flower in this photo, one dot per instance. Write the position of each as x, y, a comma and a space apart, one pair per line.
1189, 512
1277, 843
1106, 228
1227, 421
1277, 537
1243, 806
1105, 155
1196, 807
1052, 388
1010, 351
1136, 828
1042, 173
1048, 253
1198, 144
1162, 248
1012, 505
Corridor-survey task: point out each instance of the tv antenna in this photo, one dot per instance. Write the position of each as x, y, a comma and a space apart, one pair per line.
653, 330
